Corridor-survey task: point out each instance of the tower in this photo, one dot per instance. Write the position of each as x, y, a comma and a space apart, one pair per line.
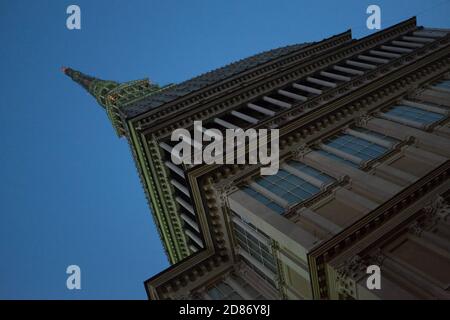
363, 179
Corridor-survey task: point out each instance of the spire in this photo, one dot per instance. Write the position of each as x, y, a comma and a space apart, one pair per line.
96, 87
114, 96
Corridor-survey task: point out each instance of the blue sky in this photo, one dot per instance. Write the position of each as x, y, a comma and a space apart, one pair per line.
69, 190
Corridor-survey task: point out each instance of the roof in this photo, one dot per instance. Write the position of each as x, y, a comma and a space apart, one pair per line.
184, 88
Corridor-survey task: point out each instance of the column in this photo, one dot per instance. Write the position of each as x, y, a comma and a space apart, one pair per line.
321, 82
277, 102
292, 95
190, 222
186, 205
180, 187
244, 117
370, 138
348, 70
194, 238
307, 89
262, 110
225, 124
175, 169
312, 180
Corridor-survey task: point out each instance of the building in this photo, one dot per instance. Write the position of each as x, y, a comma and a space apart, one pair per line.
363, 180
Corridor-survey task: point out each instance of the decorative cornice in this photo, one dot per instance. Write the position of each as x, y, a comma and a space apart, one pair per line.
348, 274
430, 218
329, 249
243, 79
257, 89
324, 121
299, 152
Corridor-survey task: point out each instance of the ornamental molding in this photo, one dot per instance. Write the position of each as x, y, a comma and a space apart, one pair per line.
155, 203
282, 78
223, 190
327, 250
165, 193
348, 274
377, 257
248, 76
322, 122
331, 95
300, 151
363, 119
435, 211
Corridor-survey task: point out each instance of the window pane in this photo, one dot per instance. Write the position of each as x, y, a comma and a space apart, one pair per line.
288, 186
311, 171
257, 249
357, 147
415, 114
337, 158
444, 84
264, 200
375, 134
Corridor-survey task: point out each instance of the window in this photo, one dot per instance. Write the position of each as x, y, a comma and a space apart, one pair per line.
263, 199
358, 147
257, 249
444, 85
415, 114
376, 134
311, 172
288, 186
337, 158
259, 273
222, 291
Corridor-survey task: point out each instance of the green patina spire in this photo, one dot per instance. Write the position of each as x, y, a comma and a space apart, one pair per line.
96, 87
114, 96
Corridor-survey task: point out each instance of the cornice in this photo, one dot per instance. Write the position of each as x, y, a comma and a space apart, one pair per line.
322, 121
326, 250
280, 78
237, 81
156, 204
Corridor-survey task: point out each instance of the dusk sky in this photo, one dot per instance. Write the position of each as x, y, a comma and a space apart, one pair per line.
70, 192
